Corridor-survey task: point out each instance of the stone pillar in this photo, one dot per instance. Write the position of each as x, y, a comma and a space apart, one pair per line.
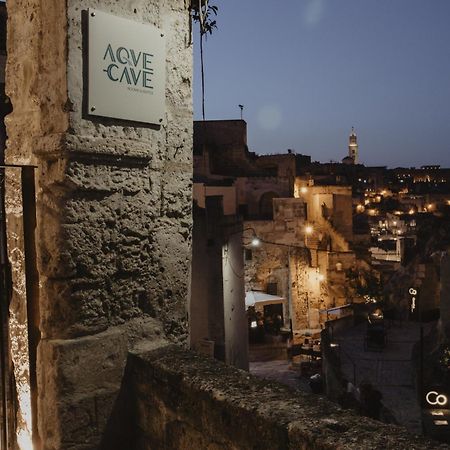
235, 317
113, 209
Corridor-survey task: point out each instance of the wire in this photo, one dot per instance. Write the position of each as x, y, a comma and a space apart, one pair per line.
228, 262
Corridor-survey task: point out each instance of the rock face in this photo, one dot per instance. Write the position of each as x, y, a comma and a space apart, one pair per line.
113, 205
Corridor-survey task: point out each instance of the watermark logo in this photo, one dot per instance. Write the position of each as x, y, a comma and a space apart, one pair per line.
435, 399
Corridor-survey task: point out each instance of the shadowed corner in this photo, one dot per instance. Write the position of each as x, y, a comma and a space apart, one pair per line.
119, 432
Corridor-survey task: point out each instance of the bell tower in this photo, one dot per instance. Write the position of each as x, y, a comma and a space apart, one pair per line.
353, 146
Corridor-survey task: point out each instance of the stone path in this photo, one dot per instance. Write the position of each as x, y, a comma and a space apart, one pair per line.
280, 371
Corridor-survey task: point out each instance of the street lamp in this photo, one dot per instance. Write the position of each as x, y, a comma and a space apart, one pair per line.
256, 242
308, 231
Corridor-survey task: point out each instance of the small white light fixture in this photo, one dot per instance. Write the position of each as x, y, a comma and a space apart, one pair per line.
308, 229
256, 242
440, 422
253, 324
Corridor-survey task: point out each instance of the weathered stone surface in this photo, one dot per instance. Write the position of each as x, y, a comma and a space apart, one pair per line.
184, 400
113, 205
80, 380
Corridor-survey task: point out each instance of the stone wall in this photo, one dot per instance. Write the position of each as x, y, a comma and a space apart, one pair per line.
113, 205
182, 401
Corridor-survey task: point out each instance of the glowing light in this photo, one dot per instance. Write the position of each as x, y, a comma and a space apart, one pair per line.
254, 324
434, 398
19, 350
19, 332
308, 229
411, 211
303, 190
256, 242
369, 299
440, 422
24, 439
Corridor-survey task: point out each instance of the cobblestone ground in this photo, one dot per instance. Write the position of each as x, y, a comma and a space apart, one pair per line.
390, 371
281, 371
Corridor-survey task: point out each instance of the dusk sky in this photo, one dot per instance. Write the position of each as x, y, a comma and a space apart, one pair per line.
308, 70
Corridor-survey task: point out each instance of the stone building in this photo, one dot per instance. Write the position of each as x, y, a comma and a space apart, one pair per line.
113, 210
98, 229
303, 258
277, 206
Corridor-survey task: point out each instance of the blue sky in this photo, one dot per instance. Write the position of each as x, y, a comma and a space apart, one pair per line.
308, 70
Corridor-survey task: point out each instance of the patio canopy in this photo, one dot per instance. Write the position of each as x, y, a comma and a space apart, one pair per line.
253, 297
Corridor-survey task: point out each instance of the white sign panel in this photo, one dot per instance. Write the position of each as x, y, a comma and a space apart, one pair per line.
127, 69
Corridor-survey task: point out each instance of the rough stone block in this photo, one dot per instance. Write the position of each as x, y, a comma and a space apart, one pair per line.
185, 400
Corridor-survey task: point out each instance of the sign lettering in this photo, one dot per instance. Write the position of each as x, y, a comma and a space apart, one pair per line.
128, 66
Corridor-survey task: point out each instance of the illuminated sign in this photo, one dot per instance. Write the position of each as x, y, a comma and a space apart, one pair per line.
435, 399
126, 69
413, 293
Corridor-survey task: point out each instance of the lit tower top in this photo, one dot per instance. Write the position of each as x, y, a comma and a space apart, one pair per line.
353, 146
